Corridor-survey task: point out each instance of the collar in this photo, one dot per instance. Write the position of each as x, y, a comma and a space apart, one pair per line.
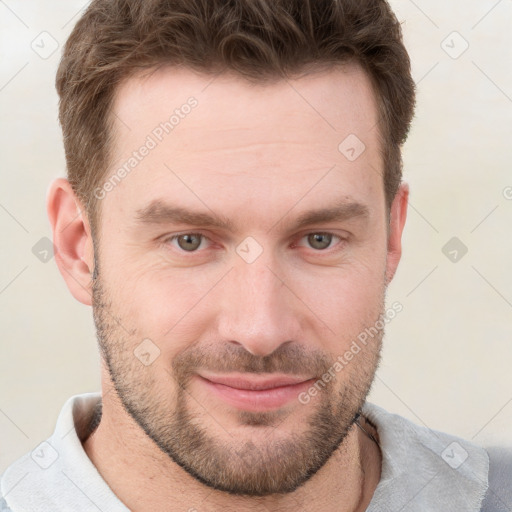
422, 469
58, 476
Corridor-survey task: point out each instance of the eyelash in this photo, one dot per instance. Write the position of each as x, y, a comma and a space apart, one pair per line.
204, 237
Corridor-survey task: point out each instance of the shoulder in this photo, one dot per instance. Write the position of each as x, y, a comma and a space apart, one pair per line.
499, 493
423, 468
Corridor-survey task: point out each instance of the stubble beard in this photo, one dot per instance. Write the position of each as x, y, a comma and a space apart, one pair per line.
277, 463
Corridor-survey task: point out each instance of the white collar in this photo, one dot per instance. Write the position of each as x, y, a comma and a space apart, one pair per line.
58, 476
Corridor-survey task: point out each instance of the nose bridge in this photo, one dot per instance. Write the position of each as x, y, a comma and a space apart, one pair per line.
256, 306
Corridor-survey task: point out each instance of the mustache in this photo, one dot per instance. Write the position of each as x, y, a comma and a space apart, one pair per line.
289, 358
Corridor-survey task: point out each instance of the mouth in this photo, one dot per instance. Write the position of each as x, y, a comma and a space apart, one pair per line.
255, 393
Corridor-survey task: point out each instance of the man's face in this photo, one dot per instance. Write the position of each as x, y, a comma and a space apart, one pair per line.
259, 295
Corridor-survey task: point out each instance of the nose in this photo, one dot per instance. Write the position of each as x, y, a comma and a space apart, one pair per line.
257, 309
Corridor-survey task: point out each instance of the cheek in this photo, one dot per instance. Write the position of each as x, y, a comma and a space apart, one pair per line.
346, 299
160, 303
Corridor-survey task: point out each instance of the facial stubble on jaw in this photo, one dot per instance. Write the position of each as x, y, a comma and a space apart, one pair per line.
286, 461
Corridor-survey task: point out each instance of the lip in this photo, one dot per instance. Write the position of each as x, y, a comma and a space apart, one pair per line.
255, 393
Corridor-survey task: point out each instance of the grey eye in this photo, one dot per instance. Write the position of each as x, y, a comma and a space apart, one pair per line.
320, 240
189, 242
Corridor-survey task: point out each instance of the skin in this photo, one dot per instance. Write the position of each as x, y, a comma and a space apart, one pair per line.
260, 156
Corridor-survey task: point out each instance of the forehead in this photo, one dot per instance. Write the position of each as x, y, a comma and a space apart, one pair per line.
225, 140
335, 100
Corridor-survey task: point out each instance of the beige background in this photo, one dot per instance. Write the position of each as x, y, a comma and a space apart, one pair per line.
447, 356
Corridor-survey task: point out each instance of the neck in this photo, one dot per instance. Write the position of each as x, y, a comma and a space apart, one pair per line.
145, 478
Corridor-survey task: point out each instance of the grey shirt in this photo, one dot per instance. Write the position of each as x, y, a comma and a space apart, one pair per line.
422, 470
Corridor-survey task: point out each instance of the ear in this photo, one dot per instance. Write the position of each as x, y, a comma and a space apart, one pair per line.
72, 238
398, 214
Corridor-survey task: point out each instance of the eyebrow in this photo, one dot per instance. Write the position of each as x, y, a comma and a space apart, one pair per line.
159, 212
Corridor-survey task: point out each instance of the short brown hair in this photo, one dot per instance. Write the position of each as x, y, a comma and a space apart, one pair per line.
258, 39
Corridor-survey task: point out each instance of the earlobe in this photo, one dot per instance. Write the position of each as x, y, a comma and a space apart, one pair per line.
72, 238
398, 215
